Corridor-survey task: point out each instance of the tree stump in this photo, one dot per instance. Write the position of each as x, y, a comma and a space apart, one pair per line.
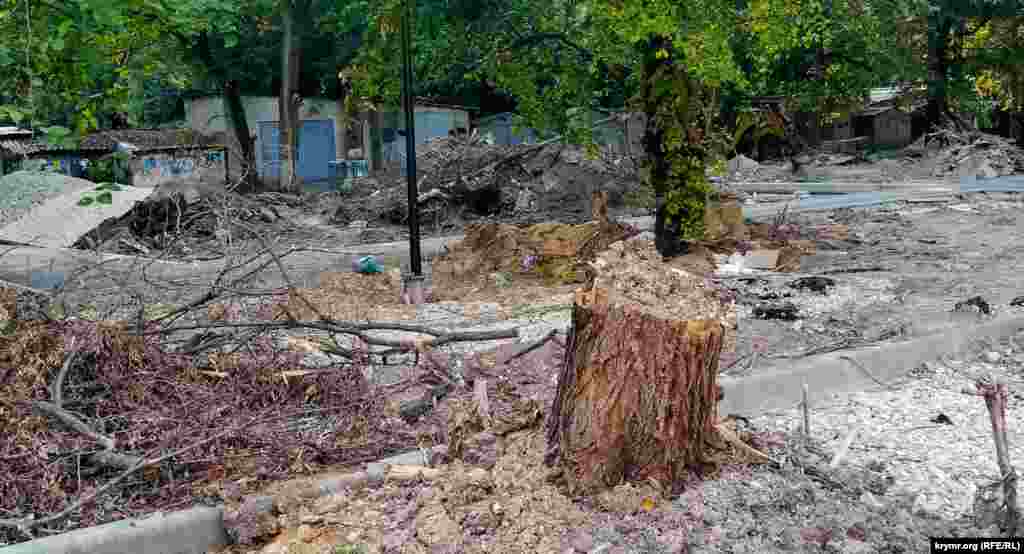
637, 396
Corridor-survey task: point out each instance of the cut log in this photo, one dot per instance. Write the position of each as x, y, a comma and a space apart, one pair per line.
637, 396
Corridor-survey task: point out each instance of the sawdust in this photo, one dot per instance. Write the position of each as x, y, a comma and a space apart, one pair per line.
634, 273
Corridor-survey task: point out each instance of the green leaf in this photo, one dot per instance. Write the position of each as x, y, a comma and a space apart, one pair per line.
85, 201
105, 198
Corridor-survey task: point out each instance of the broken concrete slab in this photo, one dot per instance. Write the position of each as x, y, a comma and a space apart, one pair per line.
60, 221
853, 370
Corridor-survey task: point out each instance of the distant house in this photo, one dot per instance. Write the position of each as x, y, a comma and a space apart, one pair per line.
153, 156
432, 120
19, 150
886, 126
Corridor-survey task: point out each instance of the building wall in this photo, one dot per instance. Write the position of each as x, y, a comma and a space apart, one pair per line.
190, 166
892, 128
68, 164
207, 115
431, 122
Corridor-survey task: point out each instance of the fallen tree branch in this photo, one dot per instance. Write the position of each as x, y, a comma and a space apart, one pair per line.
533, 345
26, 525
358, 330
865, 371
57, 389
73, 422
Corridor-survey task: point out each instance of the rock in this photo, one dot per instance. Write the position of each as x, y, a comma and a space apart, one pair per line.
267, 215
646, 236
816, 284
761, 259
743, 164
526, 200
993, 357
974, 304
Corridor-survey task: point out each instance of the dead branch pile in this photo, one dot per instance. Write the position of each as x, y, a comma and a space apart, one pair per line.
136, 398
178, 224
970, 153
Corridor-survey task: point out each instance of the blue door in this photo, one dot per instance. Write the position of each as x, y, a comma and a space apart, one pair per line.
270, 150
316, 150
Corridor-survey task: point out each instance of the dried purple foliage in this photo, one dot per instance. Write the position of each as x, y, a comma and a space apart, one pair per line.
148, 400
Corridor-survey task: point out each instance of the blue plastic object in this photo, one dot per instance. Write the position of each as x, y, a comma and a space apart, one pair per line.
47, 280
367, 265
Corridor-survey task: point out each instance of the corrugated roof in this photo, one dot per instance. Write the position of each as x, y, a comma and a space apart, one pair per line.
9, 148
14, 132
143, 139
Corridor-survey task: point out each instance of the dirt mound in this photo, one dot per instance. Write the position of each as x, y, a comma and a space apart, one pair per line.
553, 252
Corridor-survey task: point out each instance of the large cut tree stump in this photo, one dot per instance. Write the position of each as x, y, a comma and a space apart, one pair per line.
638, 393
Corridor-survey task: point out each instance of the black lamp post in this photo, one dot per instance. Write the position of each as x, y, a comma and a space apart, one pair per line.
413, 282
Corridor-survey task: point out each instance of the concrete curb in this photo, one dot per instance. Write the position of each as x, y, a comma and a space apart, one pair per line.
196, 530
831, 373
192, 531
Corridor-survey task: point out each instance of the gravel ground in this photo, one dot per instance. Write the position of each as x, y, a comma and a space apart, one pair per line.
927, 436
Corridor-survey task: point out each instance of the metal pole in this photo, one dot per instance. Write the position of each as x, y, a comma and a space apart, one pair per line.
414, 284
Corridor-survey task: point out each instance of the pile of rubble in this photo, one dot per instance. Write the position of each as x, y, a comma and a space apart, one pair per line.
972, 155
465, 179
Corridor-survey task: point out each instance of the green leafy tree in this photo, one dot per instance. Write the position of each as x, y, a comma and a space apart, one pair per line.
72, 62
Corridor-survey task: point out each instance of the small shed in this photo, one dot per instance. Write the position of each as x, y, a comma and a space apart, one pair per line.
156, 156
33, 155
884, 126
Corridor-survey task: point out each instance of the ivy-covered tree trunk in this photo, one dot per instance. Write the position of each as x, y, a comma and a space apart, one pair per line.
675, 157
937, 110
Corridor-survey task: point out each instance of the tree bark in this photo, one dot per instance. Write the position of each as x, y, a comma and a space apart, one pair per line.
937, 110
637, 396
240, 126
235, 107
288, 98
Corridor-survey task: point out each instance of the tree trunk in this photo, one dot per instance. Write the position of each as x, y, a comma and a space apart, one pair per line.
288, 99
937, 110
637, 396
341, 132
240, 126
